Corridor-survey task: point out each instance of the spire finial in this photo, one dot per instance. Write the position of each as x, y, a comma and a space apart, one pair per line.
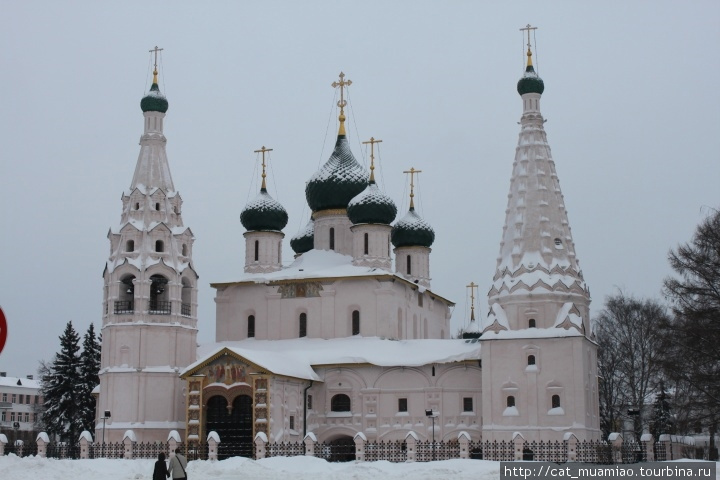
263, 150
342, 102
412, 173
155, 70
372, 143
472, 286
529, 52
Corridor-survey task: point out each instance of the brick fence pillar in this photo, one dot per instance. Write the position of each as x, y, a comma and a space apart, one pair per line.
518, 444
616, 440
213, 440
261, 441
310, 440
464, 441
571, 442
42, 441
360, 441
129, 440
411, 440
649, 443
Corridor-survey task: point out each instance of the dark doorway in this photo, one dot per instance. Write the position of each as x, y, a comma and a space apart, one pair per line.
233, 425
342, 450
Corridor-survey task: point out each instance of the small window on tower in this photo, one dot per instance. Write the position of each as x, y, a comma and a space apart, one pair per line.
157, 206
303, 325
292, 422
356, 322
531, 359
556, 401
251, 326
510, 401
159, 246
184, 250
130, 246
402, 405
332, 239
558, 244
137, 206
407, 266
531, 323
467, 404
257, 250
366, 246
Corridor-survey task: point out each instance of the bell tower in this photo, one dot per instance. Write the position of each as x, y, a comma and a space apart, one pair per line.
149, 325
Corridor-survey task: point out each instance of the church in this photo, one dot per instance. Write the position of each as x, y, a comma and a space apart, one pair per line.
345, 336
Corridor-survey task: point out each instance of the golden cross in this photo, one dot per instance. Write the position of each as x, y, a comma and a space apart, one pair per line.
342, 84
473, 286
529, 53
372, 143
155, 71
263, 150
412, 173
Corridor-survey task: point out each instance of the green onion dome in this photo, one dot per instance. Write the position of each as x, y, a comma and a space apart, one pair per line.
412, 231
304, 241
530, 82
264, 213
372, 206
338, 181
154, 101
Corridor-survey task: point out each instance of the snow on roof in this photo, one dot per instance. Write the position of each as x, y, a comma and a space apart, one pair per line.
531, 333
316, 264
13, 382
297, 357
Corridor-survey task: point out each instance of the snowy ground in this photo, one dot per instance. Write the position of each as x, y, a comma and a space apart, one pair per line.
277, 468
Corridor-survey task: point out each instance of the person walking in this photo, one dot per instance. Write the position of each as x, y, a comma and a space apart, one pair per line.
160, 471
178, 464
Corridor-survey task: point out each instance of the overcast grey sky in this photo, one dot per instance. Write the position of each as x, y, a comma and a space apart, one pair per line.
631, 98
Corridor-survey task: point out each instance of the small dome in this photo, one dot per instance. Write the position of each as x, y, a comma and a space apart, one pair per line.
412, 231
372, 206
304, 241
264, 213
154, 101
338, 181
530, 82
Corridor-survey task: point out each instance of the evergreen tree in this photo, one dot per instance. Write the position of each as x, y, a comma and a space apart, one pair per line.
88, 380
662, 421
60, 390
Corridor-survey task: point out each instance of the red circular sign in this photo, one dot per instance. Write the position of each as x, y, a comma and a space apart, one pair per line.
3, 330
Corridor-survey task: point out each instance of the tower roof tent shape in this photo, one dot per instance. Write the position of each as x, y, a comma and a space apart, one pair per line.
304, 241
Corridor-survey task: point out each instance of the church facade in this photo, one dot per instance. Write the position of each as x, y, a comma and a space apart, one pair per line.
349, 338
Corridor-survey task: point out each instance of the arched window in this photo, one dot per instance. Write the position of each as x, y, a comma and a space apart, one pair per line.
366, 247
184, 250
332, 239
510, 401
130, 246
251, 326
303, 325
531, 323
186, 298
157, 206
137, 206
159, 246
159, 304
257, 250
531, 359
407, 267
556, 401
356, 322
127, 295
340, 403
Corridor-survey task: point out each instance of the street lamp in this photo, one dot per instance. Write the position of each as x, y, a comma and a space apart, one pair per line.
431, 414
104, 417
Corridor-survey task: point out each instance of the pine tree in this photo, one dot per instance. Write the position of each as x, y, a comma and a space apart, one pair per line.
88, 380
59, 388
662, 421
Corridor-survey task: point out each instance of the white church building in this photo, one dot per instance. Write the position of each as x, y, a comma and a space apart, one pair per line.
350, 337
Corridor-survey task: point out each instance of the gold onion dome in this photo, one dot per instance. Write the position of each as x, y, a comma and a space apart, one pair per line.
264, 213
304, 241
412, 231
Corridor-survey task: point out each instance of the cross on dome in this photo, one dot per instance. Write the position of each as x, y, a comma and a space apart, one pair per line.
342, 102
372, 143
412, 173
263, 150
155, 70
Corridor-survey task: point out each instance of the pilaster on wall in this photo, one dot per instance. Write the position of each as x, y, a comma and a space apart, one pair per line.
261, 404
194, 416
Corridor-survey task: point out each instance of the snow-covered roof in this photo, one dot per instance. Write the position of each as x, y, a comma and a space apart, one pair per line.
315, 265
531, 333
297, 357
24, 382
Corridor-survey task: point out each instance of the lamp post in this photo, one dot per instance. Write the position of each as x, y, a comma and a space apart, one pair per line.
104, 417
432, 415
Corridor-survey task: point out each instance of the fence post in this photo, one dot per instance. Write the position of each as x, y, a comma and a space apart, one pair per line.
261, 441
649, 441
518, 444
85, 441
19, 447
464, 441
570, 446
213, 440
664, 439
173, 440
616, 440
3, 442
129, 439
360, 440
411, 440
310, 441
42, 441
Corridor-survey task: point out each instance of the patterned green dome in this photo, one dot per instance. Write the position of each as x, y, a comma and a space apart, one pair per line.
412, 231
372, 206
154, 101
530, 82
264, 213
304, 241
338, 181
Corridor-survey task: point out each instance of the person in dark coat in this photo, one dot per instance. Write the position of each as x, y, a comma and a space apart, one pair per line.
160, 472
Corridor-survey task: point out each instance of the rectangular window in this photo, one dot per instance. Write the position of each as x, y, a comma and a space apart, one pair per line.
292, 422
467, 404
22, 397
12, 416
27, 399
36, 399
27, 417
2, 415
4, 397
402, 405
309, 402
14, 398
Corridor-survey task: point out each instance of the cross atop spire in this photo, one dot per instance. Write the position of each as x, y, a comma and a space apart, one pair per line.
412, 173
473, 287
263, 150
528, 28
342, 102
155, 70
372, 143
